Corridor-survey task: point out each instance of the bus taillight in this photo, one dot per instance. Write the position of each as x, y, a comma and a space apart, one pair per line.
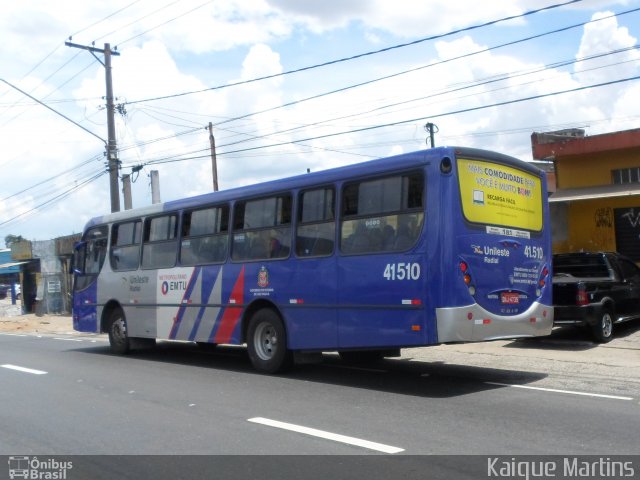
542, 281
466, 277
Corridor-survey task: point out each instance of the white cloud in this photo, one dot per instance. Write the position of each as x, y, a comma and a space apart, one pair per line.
239, 40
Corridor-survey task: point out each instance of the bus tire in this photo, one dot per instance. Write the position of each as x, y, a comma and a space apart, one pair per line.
602, 330
118, 338
267, 342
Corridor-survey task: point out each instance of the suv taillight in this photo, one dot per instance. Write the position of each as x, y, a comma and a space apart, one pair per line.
582, 298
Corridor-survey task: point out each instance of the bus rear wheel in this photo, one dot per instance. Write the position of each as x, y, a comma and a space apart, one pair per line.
118, 338
267, 342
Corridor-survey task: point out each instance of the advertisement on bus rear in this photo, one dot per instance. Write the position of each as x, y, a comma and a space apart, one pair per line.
495, 194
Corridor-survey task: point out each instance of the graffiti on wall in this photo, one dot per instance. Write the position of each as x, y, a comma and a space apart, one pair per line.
627, 225
603, 232
632, 217
604, 217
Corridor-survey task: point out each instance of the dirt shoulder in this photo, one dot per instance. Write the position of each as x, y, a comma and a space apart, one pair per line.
31, 323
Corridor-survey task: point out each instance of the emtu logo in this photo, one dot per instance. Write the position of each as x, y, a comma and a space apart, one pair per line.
165, 287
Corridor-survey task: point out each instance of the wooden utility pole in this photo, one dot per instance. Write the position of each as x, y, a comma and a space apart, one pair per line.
112, 150
214, 164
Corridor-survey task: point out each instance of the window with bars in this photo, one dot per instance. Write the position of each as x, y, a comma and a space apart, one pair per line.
622, 176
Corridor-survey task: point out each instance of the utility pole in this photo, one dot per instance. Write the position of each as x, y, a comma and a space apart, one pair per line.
112, 151
214, 164
432, 128
126, 191
155, 186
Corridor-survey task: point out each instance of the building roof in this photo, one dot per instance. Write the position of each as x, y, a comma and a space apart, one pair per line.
547, 146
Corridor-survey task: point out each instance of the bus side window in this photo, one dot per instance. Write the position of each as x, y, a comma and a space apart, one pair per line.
262, 229
159, 248
125, 245
382, 215
316, 223
205, 236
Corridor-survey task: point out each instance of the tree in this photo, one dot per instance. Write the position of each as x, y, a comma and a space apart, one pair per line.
9, 239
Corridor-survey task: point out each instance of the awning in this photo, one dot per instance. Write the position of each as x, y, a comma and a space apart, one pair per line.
12, 264
589, 193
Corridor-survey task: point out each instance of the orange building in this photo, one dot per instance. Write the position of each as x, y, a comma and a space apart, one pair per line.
596, 203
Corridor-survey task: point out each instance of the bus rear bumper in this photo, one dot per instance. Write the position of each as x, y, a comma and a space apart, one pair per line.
473, 323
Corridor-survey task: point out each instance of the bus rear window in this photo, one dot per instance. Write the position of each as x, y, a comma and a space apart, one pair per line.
496, 194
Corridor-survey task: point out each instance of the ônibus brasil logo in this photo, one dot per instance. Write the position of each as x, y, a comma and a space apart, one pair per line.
33, 468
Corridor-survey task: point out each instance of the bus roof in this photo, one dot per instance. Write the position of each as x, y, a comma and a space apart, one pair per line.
370, 167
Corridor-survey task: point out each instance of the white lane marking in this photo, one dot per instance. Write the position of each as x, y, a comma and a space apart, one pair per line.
68, 339
554, 390
13, 334
327, 435
23, 369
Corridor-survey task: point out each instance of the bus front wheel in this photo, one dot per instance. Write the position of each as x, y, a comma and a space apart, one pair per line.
118, 338
267, 342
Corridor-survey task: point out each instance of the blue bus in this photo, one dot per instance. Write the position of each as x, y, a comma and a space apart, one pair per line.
437, 246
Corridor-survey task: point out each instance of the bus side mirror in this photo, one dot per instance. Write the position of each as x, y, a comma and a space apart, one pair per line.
77, 262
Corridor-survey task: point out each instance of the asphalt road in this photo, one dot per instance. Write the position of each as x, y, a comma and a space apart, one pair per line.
180, 399
67, 395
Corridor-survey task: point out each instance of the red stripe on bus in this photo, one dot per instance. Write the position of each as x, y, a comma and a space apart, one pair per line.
231, 315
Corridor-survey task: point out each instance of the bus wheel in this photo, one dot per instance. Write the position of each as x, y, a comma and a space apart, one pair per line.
602, 330
118, 338
267, 342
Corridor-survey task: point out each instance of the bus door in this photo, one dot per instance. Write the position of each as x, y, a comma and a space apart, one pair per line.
88, 260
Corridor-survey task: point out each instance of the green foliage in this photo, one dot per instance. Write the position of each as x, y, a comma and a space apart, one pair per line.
9, 239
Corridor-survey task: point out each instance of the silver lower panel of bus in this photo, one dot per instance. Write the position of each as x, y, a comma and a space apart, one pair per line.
473, 323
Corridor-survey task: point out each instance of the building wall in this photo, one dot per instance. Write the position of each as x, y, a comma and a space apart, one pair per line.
593, 169
599, 224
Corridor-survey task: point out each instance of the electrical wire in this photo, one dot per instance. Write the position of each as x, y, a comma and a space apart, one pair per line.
47, 203
360, 55
165, 23
441, 62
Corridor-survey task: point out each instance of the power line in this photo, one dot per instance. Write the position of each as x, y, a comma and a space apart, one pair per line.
55, 199
50, 179
466, 110
361, 55
459, 57
501, 77
104, 19
137, 20
166, 22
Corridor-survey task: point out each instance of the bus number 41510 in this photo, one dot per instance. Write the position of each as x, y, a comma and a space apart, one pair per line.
402, 271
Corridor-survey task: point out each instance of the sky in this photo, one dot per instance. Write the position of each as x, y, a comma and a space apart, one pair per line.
348, 81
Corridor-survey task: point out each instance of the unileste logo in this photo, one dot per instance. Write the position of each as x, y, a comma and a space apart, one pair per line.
263, 277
